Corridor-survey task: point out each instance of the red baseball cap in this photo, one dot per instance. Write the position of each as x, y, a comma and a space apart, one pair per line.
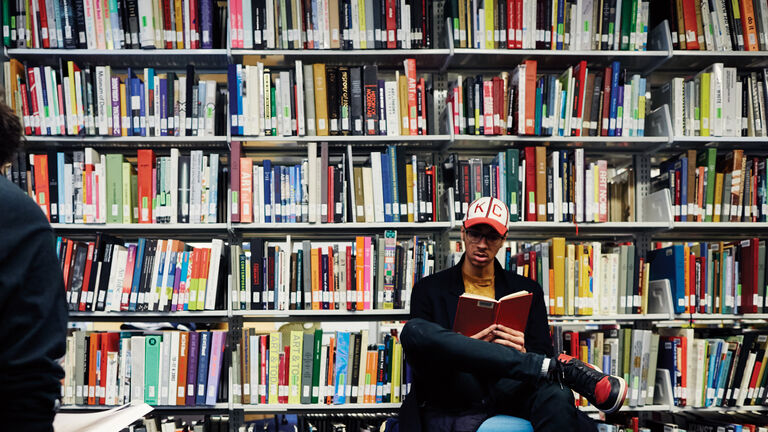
488, 211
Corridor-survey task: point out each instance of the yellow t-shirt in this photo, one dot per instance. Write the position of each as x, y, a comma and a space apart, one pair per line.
479, 286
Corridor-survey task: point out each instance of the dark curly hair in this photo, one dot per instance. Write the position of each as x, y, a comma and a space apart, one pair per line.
11, 134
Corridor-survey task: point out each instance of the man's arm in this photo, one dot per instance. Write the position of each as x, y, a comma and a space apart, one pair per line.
33, 321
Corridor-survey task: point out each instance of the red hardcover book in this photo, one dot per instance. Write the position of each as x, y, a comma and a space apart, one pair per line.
67, 261
475, 313
87, 276
263, 343
530, 183
530, 97
43, 22
606, 104
511, 17
580, 85
183, 357
519, 24
331, 280
331, 204
410, 75
702, 284
33, 97
194, 31
689, 17
748, 25
167, 24
283, 375
93, 349
391, 24
488, 107
128, 280
498, 100
25, 109
41, 184
146, 165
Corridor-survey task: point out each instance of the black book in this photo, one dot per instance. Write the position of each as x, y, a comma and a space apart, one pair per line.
745, 106
292, 92
344, 113
469, 105
378, 13
399, 23
76, 273
421, 188
356, 101
354, 349
257, 33
15, 175
333, 100
190, 100
53, 187
103, 282
735, 26
420, 109
122, 13
132, 13
486, 180
741, 362
595, 109
145, 275
382, 108
21, 19
371, 99
67, 17
288, 22
346, 24
257, 272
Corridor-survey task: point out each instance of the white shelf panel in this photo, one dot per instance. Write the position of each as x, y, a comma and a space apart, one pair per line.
216, 407
720, 226
405, 53
115, 52
627, 408
311, 315
140, 227
714, 139
739, 409
348, 226
281, 408
560, 139
606, 319
344, 138
127, 139
559, 53
149, 316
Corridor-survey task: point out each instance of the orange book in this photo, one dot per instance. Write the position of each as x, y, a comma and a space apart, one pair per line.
202, 283
41, 184
359, 271
246, 189
410, 75
475, 313
370, 377
530, 98
331, 370
687, 277
182, 380
177, 8
146, 163
551, 305
93, 347
315, 257
748, 25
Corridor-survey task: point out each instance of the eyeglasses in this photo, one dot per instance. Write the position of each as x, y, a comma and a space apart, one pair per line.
476, 236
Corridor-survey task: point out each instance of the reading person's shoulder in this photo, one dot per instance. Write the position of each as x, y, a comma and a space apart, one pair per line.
21, 210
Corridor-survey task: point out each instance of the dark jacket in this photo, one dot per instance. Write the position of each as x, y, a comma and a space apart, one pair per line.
454, 373
33, 314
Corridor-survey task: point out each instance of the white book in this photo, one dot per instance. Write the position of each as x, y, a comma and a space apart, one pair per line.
300, 116
213, 187
258, 195
67, 211
90, 23
368, 194
253, 355
116, 276
173, 365
211, 287
351, 182
579, 184
285, 99
109, 387
617, 27
156, 108
210, 104
195, 185
392, 108
270, 31
589, 203
165, 361
247, 23
154, 293
378, 188
355, 30
314, 210
101, 181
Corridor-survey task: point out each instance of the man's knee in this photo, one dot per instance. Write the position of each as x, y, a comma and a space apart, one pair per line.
553, 395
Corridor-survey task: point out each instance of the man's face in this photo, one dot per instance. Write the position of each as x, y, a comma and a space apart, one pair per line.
481, 243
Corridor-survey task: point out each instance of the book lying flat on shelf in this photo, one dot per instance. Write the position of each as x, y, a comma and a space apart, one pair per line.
112, 420
475, 313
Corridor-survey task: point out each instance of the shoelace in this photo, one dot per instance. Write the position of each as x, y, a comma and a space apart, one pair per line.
586, 380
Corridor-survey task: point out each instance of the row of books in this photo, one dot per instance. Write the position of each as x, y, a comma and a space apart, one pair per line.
331, 24
717, 101
318, 100
713, 277
541, 185
608, 25
714, 25
361, 274
207, 423
115, 24
169, 368
705, 186
735, 422
109, 274
72, 101
388, 187
577, 102
319, 368
88, 187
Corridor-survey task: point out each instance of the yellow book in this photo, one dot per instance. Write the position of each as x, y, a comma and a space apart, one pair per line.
557, 258
704, 104
409, 190
363, 34
718, 197
294, 367
72, 114
460, 25
579, 283
275, 348
589, 279
315, 266
157, 23
321, 99
397, 360
179, 25
570, 295
402, 96
488, 8
123, 112
687, 278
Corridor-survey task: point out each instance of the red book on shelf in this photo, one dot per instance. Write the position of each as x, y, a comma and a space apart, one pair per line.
93, 348
146, 164
749, 265
43, 22
475, 313
606, 101
689, 18
67, 261
234, 180
511, 17
530, 183
530, 97
391, 24
580, 85
41, 184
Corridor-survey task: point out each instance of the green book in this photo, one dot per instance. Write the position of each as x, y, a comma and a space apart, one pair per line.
627, 7
307, 364
134, 197
627, 357
316, 366
707, 158
114, 188
513, 156
6, 23
152, 368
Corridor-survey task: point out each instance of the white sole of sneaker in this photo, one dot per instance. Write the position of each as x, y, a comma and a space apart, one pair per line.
620, 400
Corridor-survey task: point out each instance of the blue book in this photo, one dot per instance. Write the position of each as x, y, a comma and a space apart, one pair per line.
341, 373
184, 270
563, 113
267, 168
135, 120
387, 191
392, 153
128, 119
614, 99
668, 263
142, 110
45, 112
620, 109
285, 188
206, 24
722, 376
714, 357
137, 274
149, 81
539, 105
234, 89
278, 201
202, 367
681, 169
560, 24
239, 98
298, 194
292, 194
163, 107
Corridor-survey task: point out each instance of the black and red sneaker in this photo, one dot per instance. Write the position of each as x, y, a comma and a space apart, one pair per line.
605, 392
